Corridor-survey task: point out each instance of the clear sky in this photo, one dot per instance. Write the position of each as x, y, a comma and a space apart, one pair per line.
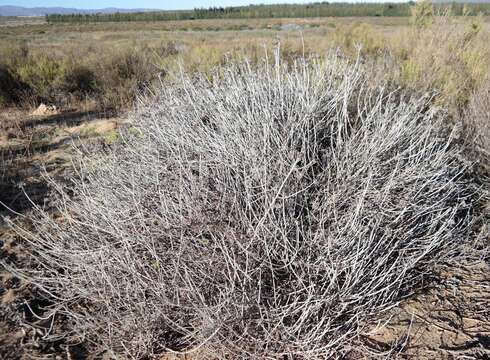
150, 4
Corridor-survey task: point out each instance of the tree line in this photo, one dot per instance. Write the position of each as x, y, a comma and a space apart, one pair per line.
318, 9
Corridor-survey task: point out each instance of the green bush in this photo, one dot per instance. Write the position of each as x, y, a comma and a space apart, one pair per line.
121, 76
29, 77
41, 74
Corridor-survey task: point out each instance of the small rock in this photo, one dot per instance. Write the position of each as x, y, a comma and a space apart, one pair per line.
45, 110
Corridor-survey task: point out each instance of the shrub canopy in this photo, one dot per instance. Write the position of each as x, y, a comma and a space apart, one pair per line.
259, 212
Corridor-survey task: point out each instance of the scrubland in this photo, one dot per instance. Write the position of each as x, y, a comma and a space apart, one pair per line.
284, 190
107, 63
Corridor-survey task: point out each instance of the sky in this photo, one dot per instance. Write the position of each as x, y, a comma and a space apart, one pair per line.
131, 4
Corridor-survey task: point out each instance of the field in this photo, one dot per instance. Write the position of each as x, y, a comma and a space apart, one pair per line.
70, 64
245, 188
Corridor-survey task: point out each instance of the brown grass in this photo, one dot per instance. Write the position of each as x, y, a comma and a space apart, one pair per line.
105, 63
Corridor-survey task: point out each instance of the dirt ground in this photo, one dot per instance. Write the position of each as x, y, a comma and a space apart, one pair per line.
33, 144
449, 319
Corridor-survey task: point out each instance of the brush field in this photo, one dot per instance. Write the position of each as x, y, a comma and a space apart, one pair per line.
245, 188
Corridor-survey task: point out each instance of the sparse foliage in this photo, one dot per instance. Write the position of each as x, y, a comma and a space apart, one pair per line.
477, 122
267, 212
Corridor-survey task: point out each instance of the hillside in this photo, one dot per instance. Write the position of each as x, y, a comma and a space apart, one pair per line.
9, 10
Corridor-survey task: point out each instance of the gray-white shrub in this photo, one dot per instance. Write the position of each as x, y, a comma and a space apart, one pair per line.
259, 212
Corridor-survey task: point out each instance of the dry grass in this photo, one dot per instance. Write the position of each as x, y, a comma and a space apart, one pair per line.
70, 62
477, 123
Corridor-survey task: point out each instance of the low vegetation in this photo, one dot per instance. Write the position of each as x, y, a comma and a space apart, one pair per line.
268, 212
31, 76
447, 53
279, 186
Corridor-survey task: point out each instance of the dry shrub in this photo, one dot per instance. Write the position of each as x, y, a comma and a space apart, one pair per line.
448, 54
121, 74
267, 212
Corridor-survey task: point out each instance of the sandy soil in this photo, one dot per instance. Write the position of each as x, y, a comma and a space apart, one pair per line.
449, 320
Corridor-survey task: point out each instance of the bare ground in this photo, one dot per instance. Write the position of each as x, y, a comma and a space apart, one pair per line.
29, 146
449, 320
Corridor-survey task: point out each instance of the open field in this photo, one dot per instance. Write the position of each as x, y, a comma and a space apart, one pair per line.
309, 10
20, 21
105, 63
245, 188
68, 64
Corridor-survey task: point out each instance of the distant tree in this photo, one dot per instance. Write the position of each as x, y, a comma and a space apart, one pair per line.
422, 12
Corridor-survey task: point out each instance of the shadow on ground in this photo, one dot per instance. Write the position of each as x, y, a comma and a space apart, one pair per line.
30, 146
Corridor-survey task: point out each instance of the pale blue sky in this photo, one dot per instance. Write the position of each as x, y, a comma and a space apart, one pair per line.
151, 4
